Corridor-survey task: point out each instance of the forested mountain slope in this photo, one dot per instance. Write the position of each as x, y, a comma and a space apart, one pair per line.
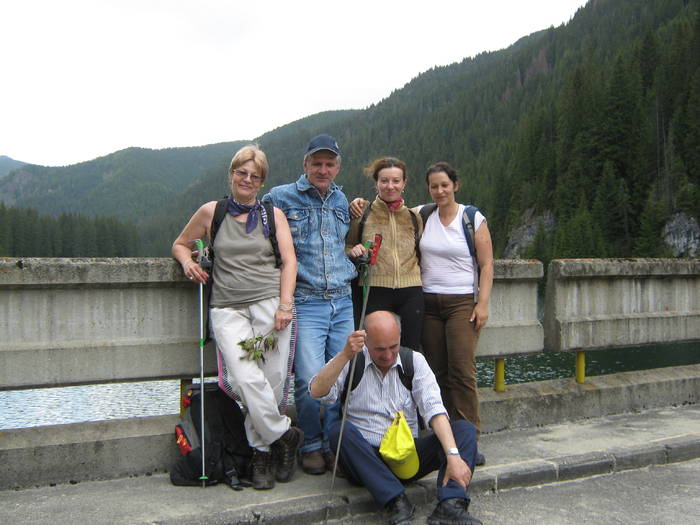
7, 165
128, 184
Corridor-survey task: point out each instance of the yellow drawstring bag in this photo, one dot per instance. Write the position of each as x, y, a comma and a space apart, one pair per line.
398, 450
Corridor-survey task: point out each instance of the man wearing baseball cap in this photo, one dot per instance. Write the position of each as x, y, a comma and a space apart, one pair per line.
317, 212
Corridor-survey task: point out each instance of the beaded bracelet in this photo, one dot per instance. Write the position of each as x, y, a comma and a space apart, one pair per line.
286, 307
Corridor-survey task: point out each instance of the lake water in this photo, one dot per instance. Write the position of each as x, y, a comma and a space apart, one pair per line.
50, 406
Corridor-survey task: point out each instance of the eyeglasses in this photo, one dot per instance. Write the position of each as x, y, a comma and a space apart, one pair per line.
243, 174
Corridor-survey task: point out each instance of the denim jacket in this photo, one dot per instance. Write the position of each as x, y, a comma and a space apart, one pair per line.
318, 228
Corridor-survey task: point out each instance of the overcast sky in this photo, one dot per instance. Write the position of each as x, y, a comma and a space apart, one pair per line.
81, 79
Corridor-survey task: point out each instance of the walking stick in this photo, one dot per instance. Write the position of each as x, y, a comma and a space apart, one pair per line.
200, 256
365, 295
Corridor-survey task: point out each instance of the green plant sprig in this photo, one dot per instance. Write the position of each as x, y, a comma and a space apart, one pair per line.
257, 346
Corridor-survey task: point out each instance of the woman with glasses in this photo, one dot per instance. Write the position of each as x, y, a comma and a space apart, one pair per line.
250, 309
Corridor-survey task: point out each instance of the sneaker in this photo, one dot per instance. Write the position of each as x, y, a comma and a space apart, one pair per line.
452, 511
399, 510
284, 453
313, 462
262, 468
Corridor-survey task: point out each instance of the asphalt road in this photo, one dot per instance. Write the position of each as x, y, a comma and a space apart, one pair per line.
659, 495
641, 467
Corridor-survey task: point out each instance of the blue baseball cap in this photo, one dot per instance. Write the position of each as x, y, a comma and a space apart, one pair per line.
323, 142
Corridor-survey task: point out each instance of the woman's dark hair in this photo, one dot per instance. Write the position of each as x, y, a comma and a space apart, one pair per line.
443, 167
372, 171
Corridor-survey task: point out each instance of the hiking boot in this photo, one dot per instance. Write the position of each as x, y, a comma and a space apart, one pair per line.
399, 510
313, 462
263, 474
329, 460
452, 511
284, 452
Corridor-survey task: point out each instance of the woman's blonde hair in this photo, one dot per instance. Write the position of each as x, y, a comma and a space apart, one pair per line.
246, 153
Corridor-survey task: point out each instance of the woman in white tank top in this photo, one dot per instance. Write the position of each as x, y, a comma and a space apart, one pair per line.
452, 319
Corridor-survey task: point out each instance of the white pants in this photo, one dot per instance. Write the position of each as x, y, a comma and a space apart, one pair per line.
259, 384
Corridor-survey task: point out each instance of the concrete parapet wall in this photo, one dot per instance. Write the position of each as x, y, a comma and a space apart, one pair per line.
603, 303
77, 321
513, 326
74, 321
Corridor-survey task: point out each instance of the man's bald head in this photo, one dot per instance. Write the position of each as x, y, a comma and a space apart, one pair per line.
383, 338
382, 319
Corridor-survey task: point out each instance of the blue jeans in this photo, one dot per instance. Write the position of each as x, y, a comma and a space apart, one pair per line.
323, 326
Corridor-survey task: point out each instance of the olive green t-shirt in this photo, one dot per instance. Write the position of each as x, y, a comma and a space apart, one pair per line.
244, 267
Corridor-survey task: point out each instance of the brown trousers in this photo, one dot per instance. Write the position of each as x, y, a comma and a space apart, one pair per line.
449, 343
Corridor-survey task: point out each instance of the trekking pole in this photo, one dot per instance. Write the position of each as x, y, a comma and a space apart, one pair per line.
200, 256
365, 295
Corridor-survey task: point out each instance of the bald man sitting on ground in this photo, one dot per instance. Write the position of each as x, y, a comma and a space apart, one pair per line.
380, 394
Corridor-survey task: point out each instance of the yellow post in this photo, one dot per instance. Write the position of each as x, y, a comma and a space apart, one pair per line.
580, 366
500, 383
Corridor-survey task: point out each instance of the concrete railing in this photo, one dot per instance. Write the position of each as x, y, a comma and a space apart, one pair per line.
77, 321
603, 303
513, 326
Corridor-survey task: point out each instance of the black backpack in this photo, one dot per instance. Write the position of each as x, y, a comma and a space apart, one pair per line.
227, 452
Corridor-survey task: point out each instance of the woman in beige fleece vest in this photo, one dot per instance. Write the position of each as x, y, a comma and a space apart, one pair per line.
395, 279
